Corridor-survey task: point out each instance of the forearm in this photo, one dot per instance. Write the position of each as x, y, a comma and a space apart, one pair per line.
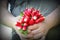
52, 19
6, 17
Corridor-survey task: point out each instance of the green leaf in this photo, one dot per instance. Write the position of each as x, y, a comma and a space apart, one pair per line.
23, 32
21, 14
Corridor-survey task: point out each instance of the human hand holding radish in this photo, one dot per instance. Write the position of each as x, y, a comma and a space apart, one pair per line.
29, 17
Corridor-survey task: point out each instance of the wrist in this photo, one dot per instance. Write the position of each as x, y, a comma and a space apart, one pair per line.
14, 20
46, 25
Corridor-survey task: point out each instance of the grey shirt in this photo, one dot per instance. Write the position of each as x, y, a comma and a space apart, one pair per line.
45, 6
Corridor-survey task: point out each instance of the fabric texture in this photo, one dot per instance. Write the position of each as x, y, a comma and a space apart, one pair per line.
45, 6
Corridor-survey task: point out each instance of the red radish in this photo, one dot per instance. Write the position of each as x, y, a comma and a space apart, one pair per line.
38, 15
18, 24
37, 21
24, 28
25, 24
27, 13
32, 9
40, 20
20, 27
41, 16
22, 19
34, 17
26, 19
33, 13
31, 22
37, 12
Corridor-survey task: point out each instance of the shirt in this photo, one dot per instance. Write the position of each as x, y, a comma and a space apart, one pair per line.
45, 6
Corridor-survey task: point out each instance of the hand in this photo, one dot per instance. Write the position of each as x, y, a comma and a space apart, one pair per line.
38, 30
42, 28
23, 37
34, 32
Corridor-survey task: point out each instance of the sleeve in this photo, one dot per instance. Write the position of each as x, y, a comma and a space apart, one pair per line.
12, 3
45, 6
48, 6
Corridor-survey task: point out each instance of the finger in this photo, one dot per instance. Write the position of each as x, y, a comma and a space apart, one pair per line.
39, 35
40, 29
35, 31
33, 27
29, 31
43, 38
30, 35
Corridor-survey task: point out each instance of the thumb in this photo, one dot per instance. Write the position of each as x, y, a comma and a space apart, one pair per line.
33, 27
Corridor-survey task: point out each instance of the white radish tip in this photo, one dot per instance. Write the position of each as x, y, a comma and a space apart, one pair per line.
34, 17
23, 29
24, 23
25, 19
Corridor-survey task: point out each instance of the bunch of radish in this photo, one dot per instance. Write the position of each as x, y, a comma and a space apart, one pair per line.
29, 17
